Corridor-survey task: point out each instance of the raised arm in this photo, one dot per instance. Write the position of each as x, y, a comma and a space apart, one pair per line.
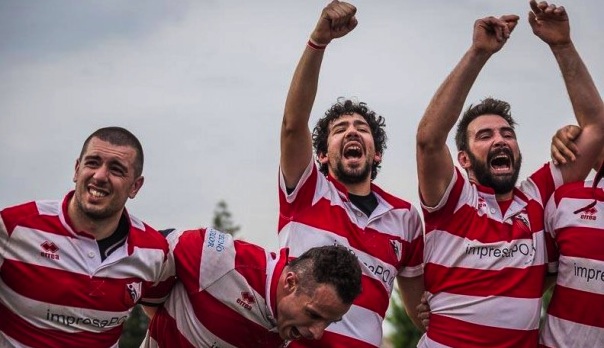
337, 20
550, 23
434, 161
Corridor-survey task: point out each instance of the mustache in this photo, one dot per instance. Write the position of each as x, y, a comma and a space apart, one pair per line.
504, 150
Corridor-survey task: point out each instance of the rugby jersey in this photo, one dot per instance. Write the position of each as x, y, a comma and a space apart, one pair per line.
484, 269
224, 297
55, 291
574, 316
389, 243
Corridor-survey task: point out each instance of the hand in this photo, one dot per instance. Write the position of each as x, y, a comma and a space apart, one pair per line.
490, 33
337, 20
423, 311
550, 23
563, 147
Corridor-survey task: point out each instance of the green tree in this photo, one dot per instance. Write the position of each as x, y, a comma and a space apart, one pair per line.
405, 334
223, 219
135, 327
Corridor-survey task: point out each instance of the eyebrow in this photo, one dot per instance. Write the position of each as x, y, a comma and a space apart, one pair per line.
355, 122
110, 162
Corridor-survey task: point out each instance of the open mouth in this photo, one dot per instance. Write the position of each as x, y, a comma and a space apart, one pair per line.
501, 162
97, 193
294, 334
353, 151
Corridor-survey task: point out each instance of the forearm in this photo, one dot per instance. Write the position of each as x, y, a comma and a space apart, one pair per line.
446, 104
585, 99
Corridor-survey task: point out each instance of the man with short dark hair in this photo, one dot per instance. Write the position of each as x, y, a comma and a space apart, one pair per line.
235, 294
71, 270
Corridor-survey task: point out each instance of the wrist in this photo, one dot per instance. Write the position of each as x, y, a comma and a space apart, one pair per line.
315, 45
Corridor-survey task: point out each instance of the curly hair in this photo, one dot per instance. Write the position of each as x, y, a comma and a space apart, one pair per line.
348, 107
487, 106
331, 264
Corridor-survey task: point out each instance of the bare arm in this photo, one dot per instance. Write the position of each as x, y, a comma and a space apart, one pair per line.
434, 161
550, 24
337, 20
411, 291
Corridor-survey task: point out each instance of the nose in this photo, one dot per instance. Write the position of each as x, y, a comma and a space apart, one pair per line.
101, 173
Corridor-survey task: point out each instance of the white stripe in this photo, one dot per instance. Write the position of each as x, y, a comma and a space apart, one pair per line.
426, 342
299, 238
180, 308
496, 311
50, 316
356, 319
581, 274
449, 250
49, 207
217, 257
558, 332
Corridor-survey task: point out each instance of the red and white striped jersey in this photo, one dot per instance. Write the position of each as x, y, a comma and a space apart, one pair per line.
484, 268
54, 289
389, 243
574, 316
224, 297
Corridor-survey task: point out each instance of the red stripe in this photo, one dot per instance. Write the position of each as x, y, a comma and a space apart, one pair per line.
456, 333
17, 328
84, 291
244, 254
331, 340
187, 257
577, 306
224, 322
581, 242
26, 215
164, 331
374, 296
511, 282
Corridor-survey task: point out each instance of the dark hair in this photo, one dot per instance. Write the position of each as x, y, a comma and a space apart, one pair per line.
348, 107
331, 264
121, 137
487, 106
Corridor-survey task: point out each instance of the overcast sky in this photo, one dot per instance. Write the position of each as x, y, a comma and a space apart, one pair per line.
203, 84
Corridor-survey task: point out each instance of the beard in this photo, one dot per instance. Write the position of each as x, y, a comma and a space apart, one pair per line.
349, 176
499, 183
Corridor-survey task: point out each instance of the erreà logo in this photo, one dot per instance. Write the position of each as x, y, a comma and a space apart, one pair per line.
589, 214
50, 250
247, 300
397, 247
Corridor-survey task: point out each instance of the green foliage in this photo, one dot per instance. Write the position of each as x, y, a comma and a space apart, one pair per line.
223, 219
134, 329
405, 334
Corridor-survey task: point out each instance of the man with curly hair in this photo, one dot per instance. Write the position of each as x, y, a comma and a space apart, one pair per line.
338, 203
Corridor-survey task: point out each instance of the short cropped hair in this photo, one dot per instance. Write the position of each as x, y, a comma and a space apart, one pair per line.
348, 107
333, 265
487, 106
120, 137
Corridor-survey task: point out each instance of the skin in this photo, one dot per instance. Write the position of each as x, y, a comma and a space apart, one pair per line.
347, 134
104, 180
302, 315
492, 134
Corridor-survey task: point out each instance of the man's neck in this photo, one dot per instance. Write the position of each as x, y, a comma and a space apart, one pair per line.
360, 189
100, 229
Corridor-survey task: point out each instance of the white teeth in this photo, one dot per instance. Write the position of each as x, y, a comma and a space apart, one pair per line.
97, 194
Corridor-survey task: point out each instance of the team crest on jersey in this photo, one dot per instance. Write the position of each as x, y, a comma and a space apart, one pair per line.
522, 217
482, 203
134, 291
397, 247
